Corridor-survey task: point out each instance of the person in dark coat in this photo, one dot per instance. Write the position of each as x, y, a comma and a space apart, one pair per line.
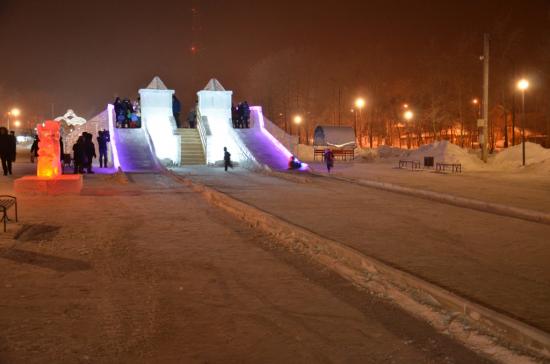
226, 159
192, 118
240, 115
5, 150
89, 152
13, 146
78, 155
102, 140
34, 148
246, 115
119, 112
235, 116
176, 110
329, 159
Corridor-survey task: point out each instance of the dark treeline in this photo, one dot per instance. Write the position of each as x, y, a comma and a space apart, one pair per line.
439, 89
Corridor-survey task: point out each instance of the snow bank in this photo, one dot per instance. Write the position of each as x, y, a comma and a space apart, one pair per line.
446, 152
386, 152
511, 158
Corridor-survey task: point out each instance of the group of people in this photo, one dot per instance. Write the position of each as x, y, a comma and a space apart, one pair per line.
240, 115
84, 151
128, 113
8, 145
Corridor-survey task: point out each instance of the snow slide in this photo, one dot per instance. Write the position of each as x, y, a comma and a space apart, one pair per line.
265, 148
132, 149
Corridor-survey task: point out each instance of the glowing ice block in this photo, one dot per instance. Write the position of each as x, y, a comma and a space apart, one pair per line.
49, 152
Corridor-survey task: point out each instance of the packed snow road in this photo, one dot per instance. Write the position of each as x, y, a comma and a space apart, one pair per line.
149, 273
498, 261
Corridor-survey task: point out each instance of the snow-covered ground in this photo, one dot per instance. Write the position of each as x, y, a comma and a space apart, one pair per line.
463, 250
506, 160
148, 272
502, 181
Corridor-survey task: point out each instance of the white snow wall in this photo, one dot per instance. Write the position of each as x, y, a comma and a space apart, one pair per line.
158, 120
215, 106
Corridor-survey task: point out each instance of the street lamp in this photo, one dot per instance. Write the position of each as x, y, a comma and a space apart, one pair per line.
298, 121
408, 116
523, 85
477, 104
359, 104
15, 112
17, 123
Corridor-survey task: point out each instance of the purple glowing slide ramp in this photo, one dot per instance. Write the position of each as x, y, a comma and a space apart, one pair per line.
266, 149
132, 150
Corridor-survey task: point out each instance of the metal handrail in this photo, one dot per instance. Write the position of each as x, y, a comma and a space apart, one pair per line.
202, 133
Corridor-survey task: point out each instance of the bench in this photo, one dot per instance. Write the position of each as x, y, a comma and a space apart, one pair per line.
454, 167
6, 202
414, 164
343, 154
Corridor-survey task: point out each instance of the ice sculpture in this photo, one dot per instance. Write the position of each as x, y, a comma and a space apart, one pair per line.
71, 118
49, 152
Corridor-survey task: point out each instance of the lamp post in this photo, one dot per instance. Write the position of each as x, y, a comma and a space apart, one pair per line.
408, 116
523, 85
359, 104
298, 121
15, 112
477, 105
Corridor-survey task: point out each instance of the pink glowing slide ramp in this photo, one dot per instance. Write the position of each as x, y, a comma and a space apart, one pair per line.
267, 150
132, 149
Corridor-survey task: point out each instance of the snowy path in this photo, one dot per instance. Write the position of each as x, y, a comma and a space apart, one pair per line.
517, 189
499, 261
148, 272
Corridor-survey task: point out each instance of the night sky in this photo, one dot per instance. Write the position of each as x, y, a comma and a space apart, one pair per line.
80, 54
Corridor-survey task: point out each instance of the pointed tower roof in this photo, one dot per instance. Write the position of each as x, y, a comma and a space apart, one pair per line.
214, 85
157, 84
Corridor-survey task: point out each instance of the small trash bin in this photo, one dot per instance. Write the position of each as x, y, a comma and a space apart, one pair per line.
428, 162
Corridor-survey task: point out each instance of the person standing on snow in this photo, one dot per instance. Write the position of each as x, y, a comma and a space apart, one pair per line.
226, 159
5, 150
78, 155
329, 159
34, 148
89, 152
102, 140
176, 110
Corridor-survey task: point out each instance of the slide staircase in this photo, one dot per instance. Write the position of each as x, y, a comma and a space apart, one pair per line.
192, 149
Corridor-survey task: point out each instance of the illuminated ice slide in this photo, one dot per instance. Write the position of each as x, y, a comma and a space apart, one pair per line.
132, 148
268, 150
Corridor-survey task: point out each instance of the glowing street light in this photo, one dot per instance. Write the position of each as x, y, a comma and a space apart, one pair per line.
523, 85
15, 112
298, 121
477, 105
408, 116
359, 104
17, 123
